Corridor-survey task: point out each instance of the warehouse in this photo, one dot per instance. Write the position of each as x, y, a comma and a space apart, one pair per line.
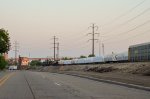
139, 52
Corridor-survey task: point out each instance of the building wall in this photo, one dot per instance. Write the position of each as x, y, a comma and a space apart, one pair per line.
140, 53
23, 62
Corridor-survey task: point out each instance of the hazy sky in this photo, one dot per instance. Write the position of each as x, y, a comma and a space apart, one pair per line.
33, 23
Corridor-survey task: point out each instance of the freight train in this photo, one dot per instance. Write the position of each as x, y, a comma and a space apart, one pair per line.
136, 53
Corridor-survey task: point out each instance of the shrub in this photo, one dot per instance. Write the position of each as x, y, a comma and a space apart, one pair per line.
3, 63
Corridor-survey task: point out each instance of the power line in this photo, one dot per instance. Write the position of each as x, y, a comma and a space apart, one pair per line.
126, 22
93, 37
131, 37
126, 13
124, 33
77, 40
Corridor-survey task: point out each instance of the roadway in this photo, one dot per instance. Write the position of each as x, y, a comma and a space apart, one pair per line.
44, 85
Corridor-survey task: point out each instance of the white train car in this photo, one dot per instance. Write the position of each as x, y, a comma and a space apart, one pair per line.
108, 58
98, 59
122, 57
88, 60
79, 61
67, 62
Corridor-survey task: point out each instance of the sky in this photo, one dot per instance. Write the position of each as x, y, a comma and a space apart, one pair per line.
33, 23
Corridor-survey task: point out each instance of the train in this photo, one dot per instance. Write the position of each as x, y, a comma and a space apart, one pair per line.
135, 53
96, 60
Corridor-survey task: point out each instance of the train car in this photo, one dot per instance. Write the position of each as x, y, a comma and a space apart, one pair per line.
98, 59
110, 58
61, 62
88, 60
80, 61
122, 57
139, 52
67, 62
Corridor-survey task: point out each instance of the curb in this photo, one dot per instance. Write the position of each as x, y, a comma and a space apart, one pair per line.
111, 82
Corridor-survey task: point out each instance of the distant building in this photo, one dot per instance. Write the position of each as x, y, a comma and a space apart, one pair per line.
23, 62
139, 52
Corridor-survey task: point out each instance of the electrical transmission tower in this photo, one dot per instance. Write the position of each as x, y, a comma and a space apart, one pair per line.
55, 39
58, 51
16, 49
94, 28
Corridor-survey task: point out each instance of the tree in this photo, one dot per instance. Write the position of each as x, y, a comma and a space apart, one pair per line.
3, 63
66, 58
82, 56
91, 55
35, 63
4, 47
4, 41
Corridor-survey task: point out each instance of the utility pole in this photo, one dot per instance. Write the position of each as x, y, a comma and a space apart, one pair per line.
55, 47
94, 27
103, 49
16, 45
58, 51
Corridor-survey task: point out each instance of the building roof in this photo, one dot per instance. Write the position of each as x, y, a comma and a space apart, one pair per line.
137, 45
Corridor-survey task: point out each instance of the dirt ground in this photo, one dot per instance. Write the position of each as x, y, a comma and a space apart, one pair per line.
133, 73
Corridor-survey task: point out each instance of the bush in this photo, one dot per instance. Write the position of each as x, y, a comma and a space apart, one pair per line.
35, 63
91, 55
3, 63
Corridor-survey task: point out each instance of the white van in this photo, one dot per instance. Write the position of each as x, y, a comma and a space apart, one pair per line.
12, 67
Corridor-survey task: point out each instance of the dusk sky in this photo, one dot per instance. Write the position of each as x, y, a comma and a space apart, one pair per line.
33, 23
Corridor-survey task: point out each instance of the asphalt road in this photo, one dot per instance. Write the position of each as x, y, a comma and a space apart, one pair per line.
42, 85
2, 73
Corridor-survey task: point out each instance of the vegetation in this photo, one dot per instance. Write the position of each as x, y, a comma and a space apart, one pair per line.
82, 56
91, 55
47, 62
4, 47
3, 63
4, 41
35, 63
66, 58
